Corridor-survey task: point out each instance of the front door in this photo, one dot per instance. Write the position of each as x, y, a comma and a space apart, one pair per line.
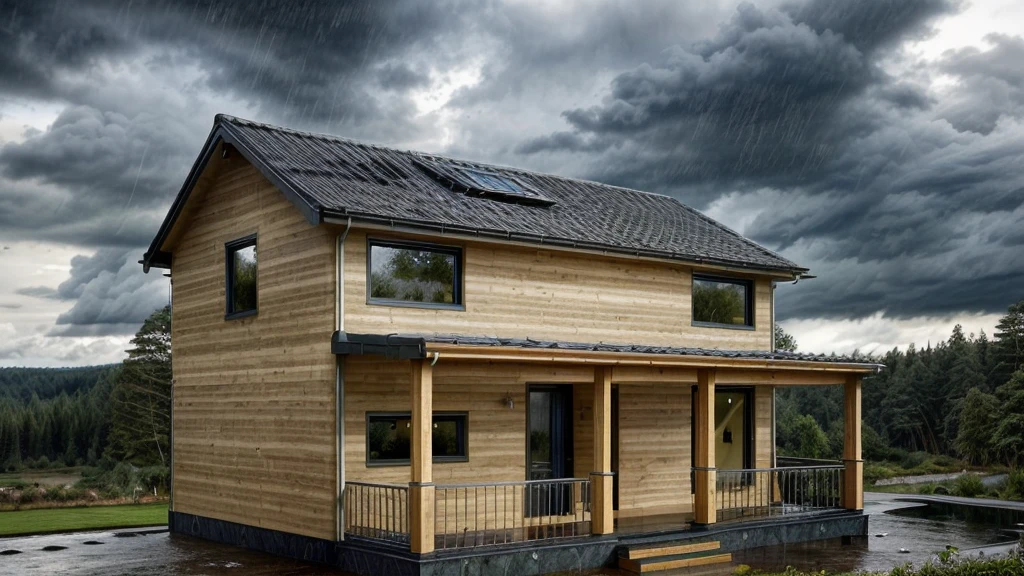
549, 456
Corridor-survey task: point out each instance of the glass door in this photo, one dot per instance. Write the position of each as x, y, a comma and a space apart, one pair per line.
549, 456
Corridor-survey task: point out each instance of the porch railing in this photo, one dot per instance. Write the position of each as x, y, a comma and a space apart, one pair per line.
471, 515
777, 491
378, 511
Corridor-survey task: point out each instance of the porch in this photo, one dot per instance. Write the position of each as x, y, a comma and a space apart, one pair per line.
578, 500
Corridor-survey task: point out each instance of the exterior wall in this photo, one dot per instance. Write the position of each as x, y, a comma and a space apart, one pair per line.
254, 405
654, 428
654, 449
519, 292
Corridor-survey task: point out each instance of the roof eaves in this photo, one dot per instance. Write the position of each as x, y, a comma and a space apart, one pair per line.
369, 218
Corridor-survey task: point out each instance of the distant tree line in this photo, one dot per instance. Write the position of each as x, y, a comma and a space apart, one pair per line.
82, 416
963, 397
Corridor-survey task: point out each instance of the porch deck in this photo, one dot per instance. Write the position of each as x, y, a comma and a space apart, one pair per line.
523, 512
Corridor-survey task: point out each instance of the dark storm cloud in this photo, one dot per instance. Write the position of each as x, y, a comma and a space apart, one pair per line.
92, 178
111, 296
304, 62
858, 177
992, 84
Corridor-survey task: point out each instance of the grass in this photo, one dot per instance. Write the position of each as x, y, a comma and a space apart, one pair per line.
43, 521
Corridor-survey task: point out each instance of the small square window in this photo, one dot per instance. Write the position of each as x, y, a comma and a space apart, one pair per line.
722, 302
389, 438
412, 274
241, 277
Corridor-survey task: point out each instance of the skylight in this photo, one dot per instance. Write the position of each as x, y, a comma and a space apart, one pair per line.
493, 182
473, 181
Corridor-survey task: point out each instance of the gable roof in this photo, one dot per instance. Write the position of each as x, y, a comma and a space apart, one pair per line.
328, 177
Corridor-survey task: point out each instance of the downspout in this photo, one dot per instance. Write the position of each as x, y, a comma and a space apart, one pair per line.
772, 314
339, 380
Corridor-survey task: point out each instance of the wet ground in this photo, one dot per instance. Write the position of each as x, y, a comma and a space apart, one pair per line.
140, 553
904, 525
157, 553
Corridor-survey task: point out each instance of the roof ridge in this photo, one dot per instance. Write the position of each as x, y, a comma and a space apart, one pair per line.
435, 155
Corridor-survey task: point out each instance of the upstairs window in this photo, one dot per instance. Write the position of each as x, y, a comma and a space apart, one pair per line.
389, 438
414, 274
722, 302
241, 277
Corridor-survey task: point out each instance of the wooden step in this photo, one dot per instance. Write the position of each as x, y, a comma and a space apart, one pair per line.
659, 563
671, 550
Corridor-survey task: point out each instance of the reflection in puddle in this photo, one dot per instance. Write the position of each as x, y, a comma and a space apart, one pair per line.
913, 533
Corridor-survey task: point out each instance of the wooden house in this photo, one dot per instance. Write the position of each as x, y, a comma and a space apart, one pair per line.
391, 361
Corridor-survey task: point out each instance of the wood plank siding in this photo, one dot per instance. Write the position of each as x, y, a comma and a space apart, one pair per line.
520, 292
254, 405
654, 430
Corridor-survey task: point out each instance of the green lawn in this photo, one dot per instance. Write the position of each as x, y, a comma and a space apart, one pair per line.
49, 520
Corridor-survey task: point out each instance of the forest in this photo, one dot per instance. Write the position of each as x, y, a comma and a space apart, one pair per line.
96, 416
960, 398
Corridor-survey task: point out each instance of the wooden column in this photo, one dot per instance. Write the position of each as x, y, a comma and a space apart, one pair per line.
601, 480
704, 501
421, 487
853, 475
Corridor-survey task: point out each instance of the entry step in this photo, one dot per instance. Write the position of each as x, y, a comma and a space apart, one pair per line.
643, 560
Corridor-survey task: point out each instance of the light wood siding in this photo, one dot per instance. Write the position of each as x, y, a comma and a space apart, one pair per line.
497, 435
254, 404
654, 449
513, 291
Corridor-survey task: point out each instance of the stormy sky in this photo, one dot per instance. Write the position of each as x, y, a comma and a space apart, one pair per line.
879, 143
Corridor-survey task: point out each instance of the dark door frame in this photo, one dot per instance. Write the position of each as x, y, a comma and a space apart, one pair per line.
561, 418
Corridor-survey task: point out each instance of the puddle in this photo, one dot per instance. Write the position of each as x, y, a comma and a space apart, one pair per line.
913, 533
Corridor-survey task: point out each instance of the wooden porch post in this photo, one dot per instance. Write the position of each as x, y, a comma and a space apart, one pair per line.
853, 475
421, 487
601, 480
704, 500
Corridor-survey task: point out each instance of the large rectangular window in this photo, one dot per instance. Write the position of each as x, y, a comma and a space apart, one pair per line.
722, 302
389, 438
240, 277
414, 274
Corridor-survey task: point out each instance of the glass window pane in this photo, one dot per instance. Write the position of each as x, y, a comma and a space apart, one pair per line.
243, 282
449, 436
412, 275
389, 438
720, 302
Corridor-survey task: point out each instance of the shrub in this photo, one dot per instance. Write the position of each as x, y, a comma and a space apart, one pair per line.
1014, 489
875, 472
928, 488
914, 459
968, 486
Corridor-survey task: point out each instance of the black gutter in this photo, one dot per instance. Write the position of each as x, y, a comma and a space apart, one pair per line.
390, 346
367, 218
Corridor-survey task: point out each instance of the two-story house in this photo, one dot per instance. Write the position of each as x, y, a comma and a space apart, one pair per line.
398, 363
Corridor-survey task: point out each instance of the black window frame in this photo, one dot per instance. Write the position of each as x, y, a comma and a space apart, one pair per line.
748, 305
229, 276
462, 431
458, 303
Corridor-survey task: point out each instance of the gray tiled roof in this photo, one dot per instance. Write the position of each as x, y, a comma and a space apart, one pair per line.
341, 178
639, 349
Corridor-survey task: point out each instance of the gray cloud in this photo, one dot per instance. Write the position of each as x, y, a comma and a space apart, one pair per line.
868, 181
111, 295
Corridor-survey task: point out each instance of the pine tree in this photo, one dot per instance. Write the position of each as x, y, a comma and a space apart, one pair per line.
141, 398
1009, 346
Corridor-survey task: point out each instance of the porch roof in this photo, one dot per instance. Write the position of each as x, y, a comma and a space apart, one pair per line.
410, 346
